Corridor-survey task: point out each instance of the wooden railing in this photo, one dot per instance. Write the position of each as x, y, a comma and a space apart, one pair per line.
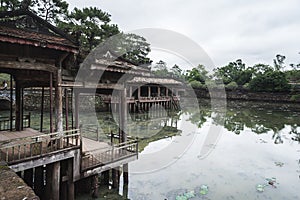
101, 157
17, 150
153, 99
5, 122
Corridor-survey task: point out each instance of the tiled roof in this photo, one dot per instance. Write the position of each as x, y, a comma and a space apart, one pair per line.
21, 36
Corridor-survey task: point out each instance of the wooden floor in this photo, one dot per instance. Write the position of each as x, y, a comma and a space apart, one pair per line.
9, 135
92, 145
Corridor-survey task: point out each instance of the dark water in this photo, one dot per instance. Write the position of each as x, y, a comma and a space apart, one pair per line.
254, 146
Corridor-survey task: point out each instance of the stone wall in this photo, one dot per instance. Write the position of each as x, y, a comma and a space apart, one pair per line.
32, 101
13, 187
248, 96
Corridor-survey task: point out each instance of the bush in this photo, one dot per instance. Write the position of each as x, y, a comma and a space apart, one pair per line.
197, 84
295, 97
246, 86
232, 86
271, 81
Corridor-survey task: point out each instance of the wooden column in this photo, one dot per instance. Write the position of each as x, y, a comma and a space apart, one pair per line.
76, 105
11, 103
22, 107
139, 92
149, 91
123, 121
67, 109
18, 119
130, 91
55, 181
42, 110
158, 91
71, 191
59, 105
51, 101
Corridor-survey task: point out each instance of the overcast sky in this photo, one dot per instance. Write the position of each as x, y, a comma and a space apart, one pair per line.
253, 30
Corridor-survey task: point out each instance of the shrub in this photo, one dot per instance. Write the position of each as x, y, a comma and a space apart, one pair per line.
232, 85
197, 84
271, 81
295, 97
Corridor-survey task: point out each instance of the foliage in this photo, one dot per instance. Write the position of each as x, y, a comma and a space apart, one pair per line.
234, 71
177, 72
293, 75
197, 84
259, 69
295, 97
198, 73
160, 69
271, 81
232, 85
9, 5
90, 25
131, 46
279, 62
52, 11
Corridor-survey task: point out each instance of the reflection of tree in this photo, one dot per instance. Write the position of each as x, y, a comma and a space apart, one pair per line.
296, 134
260, 119
198, 117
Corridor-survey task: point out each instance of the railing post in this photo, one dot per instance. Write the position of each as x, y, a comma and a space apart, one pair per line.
29, 120
97, 133
112, 138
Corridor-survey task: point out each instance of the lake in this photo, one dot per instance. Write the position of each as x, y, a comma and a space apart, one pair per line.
254, 155
251, 151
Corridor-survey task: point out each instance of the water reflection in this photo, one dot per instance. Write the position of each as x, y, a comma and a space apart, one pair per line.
260, 118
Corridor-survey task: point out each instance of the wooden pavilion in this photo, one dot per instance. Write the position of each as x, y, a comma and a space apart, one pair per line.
37, 54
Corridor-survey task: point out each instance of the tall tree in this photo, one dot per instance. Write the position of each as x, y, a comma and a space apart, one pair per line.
234, 72
279, 62
198, 73
51, 10
91, 25
9, 5
132, 47
160, 69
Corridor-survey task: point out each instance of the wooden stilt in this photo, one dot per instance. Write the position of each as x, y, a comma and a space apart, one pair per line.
39, 181
106, 177
56, 181
28, 177
76, 94
71, 192
115, 178
95, 186
125, 174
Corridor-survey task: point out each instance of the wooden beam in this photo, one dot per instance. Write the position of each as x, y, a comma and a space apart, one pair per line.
27, 66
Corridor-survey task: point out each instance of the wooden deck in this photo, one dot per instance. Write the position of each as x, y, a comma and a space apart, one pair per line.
16, 147
10, 135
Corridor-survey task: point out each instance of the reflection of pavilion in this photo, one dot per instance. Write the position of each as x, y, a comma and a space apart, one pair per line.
146, 92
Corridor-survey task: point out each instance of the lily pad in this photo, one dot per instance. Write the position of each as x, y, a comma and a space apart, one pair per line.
260, 188
189, 194
203, 189
279, 164
181, 197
